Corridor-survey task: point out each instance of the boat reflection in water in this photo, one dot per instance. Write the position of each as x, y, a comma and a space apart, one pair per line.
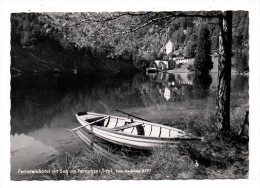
112, 152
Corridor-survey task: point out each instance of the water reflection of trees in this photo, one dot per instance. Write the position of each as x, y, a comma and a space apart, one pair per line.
177, 87
36, 99
201, 85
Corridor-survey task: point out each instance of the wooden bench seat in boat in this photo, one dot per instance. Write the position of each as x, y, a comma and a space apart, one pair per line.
93, 118
125, 126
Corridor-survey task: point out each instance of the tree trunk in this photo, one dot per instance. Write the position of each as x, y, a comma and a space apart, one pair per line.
224, 73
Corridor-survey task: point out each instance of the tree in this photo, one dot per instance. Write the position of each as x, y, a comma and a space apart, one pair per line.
224, 73
214, 37
191, 47
202, 62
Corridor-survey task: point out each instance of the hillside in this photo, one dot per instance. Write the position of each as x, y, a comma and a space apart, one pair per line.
122, 36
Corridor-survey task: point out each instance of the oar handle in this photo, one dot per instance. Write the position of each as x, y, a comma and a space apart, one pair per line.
89, 124
132, 115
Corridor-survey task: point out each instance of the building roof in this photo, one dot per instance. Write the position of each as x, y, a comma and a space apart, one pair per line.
180, 55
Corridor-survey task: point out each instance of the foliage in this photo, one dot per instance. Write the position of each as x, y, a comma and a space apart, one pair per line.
190, 67
241, 63
25, 29
203, 63
172, 64
240, 41
133, 36
240, 28
240, 51
191, 47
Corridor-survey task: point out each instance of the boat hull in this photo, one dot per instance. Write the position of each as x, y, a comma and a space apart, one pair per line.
135, 140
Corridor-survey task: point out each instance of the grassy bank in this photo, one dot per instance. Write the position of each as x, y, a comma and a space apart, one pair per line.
218, 157
184, 68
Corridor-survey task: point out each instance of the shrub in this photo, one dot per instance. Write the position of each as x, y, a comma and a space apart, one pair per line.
172, 64
191, 67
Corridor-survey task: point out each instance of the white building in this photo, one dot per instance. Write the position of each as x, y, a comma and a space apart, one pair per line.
168, 47
167, 93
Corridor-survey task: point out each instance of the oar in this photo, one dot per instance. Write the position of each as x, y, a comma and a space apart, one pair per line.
89, 123
133, 116
138, 117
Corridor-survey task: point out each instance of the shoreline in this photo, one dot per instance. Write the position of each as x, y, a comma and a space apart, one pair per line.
196, 161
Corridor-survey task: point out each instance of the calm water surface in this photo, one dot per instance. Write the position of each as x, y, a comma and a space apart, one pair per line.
43, 106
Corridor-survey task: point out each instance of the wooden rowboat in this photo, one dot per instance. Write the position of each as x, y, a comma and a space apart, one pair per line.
131, 132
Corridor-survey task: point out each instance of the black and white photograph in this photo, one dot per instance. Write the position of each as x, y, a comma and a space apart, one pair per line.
130, 95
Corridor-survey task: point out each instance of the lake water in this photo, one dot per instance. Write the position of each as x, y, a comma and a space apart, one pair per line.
43, 106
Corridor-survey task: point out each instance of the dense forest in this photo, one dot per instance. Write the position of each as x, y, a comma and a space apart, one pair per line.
127, 35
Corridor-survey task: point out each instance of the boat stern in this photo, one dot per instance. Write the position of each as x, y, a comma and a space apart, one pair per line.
81, 113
